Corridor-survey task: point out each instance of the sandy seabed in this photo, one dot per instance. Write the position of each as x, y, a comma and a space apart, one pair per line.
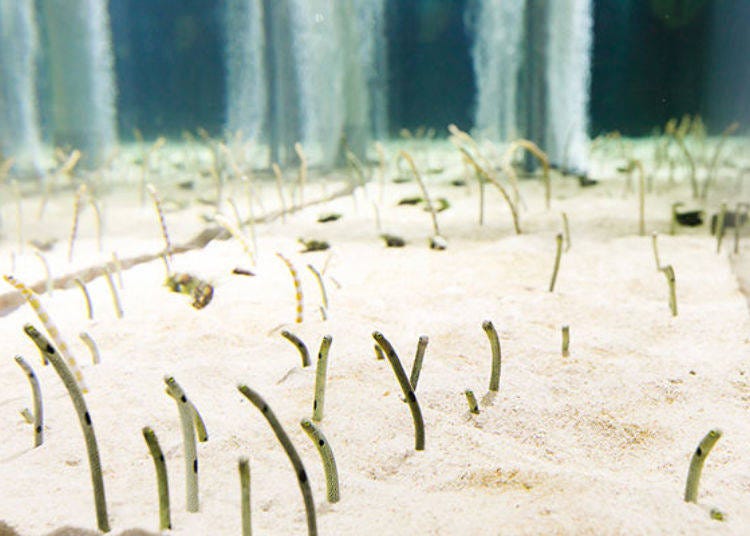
595, 443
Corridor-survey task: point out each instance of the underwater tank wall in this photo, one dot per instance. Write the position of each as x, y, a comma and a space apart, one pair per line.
309, 70
318, 71
547, 44
80, 63
19, 122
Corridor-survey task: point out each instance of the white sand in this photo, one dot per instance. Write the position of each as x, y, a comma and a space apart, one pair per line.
595, 443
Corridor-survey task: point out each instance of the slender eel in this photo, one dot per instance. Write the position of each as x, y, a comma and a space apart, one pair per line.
54, 333
291, 452
669, 274
297, 287
97, 221
296, 341
162, 221
378, 352
741, 214
89, 342
113, 290
48, 286
416, 367
118, 268
433, 213
491, 332
27, 415
696, 464
558, 254
162, 482
83, 417
244, 468
720, 226
566, 231
472, 401
36, 393
237, 234
320, 378
82, 286
326, 456
482, 175
403, 380
76, 216
319, 278
655, 246
188, 438
565, 341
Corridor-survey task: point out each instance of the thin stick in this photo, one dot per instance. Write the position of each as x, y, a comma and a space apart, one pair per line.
472, 401
323, 294
558, 254
326, 455
77, 206
296, 341
403, 381
162, 482
302, 172
320, 378
113, 291
696, 464
89, 342
237, 234
162, 221
244, 469
406, 156
416, 367
297, 288
491, 332
566, 231
72, 386
48, 273
82, 286
36, 393
280, 188
720, 226
669, 274
565, 341
188, 441
291, 452
52, 330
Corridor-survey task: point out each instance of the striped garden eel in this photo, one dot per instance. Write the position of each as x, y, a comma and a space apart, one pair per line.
297, 287
52, 330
